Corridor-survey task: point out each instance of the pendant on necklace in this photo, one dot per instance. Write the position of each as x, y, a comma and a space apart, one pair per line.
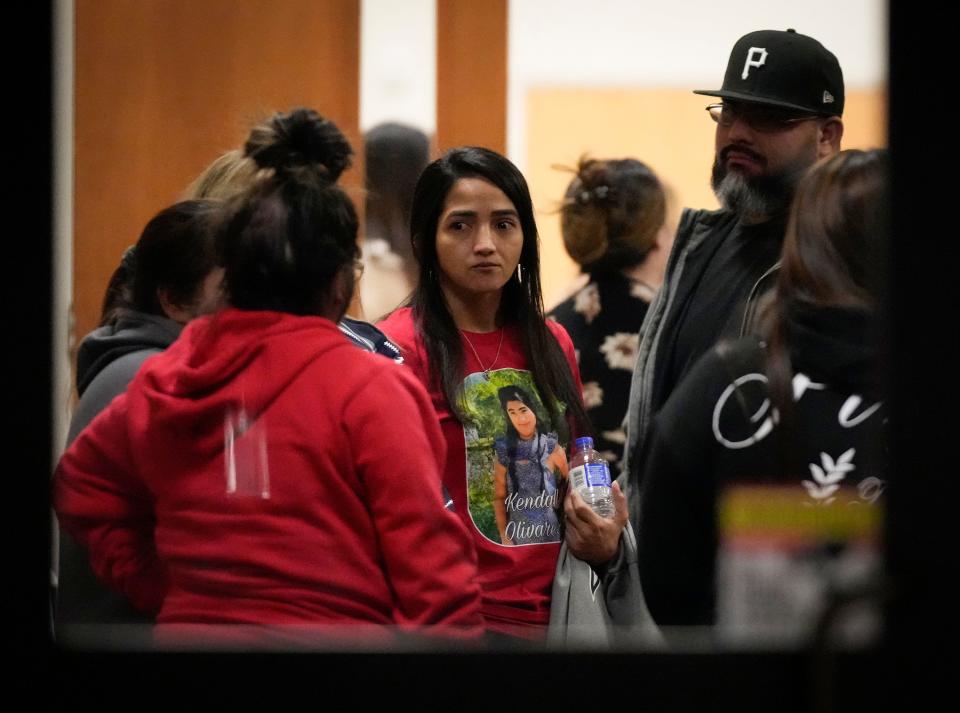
486, 369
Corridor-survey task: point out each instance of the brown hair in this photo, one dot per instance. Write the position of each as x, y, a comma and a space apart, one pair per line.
394, 157
228, 174
611, 213
831, 252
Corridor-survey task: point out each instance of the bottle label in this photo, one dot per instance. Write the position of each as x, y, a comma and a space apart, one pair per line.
577, 477
597, 474
590, 475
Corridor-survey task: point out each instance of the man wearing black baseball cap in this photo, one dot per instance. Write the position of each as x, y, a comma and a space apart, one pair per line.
782, 99
782, 102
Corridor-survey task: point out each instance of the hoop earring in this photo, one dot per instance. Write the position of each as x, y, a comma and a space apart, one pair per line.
519, 273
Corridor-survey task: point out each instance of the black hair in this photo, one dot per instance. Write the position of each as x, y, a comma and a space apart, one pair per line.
174, 253
118, 294
284, 239
836, 231
521, 302
611, 214
505, 395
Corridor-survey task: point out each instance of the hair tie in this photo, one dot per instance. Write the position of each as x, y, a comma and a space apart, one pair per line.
598, 194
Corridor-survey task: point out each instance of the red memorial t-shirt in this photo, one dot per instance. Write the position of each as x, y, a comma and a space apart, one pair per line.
517, 537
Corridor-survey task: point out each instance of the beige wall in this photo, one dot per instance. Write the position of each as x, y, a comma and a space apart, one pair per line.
666, 128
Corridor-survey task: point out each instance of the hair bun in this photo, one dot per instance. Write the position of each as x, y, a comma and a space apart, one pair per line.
299, 138
611, 213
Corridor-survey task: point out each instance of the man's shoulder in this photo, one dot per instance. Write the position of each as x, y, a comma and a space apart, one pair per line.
696, 225
743, 354
706, 217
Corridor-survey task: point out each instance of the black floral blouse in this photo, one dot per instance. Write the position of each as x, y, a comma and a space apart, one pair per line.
603, 320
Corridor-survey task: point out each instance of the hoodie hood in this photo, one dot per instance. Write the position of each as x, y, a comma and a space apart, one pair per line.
836, 345
133, 331
231, 362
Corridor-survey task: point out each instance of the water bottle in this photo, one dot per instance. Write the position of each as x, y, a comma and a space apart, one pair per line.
590, 476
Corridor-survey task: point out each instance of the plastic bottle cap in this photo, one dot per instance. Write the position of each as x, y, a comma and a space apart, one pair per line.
584, 442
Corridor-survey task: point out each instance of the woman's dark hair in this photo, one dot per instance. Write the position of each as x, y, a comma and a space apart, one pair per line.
515, 393
118, 294
834, 237
284, 239
611, 213
394, 156
521, 302
174, 253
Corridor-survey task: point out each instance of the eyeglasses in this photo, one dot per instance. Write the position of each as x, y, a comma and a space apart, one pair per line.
759, 118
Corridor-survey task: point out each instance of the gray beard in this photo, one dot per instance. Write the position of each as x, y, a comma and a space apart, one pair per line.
754, 199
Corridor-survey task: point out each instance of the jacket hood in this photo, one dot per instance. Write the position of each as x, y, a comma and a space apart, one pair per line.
836, 345
225, 364
133, 331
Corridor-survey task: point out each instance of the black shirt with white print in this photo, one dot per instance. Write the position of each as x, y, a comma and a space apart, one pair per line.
719, 428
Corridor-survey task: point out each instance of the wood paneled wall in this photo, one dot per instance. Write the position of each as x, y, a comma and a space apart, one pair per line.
165, 86
472, 74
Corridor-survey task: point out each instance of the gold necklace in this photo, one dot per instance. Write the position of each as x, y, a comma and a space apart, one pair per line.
486, 371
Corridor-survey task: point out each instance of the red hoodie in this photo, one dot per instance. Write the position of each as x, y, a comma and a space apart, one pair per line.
332, 515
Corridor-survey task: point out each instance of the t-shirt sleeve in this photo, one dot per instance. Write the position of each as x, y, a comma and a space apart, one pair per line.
401, 330
566, 346
101, 503
429, 557
500, 450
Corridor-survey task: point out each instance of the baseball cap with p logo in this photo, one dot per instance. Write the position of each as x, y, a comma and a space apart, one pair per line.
783, 69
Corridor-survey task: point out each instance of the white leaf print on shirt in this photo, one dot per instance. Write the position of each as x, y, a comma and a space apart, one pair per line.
592, 395
610, 456
871, 488
587, 302
620, 350
642, 291
618, 436
827, 479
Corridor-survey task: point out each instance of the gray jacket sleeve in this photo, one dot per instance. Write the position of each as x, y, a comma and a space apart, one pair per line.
600, 609
108, 385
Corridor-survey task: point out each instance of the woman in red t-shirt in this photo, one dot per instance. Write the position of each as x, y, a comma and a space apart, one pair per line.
474, 326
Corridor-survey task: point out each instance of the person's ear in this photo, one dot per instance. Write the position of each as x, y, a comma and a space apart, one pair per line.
830, 133
340, 294
175, 311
